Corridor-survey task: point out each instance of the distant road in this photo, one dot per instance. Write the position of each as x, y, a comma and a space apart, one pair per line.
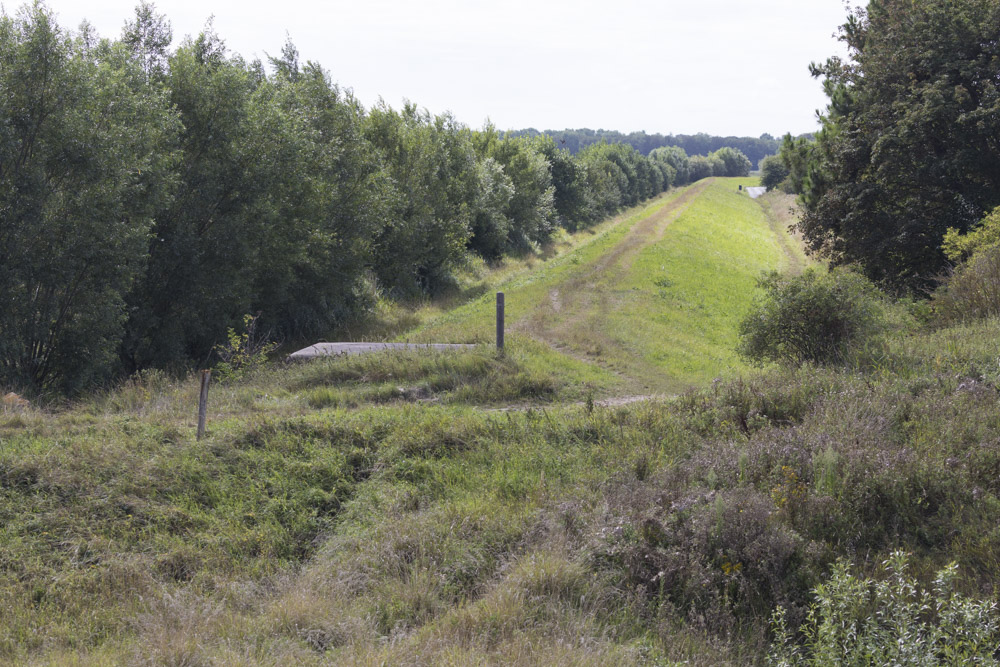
334, 349
756, 192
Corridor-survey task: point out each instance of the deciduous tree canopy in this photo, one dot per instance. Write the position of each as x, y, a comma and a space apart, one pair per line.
151, 197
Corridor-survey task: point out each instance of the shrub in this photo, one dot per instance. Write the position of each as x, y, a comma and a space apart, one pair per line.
772, 172
891, 622
243, 353
816, 317
972, 291
958, 246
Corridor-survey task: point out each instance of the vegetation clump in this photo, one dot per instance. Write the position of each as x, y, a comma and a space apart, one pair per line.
816, 317
774, 173
892, 621
907, 148
132, 157
244, 353
972, 289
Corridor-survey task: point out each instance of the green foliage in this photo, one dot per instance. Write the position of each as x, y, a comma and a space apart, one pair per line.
676, 159
773, 172
735, 163
244, 353
972, 289
894, 621
79, 189
153, 194
431, 165
906, 150
797, 157
574, 201
815, 317
958, 246
531, 207
755, 148
147, 38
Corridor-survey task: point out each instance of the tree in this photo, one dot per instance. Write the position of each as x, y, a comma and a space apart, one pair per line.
734, 161
84, 151
148, 38
797, 156
326, 200
531, 209
677, 159
431, 164
910, 143
573, 199
773, 172
206, 240
705, 166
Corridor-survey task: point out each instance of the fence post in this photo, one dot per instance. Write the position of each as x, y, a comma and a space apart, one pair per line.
500, 321
203, 403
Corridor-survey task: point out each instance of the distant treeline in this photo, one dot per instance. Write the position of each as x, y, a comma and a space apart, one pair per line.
693, 144
150, 197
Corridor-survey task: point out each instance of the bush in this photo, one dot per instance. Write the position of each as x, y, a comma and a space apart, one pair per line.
972, 291
892, 622
816, 317
772, 172
243, 354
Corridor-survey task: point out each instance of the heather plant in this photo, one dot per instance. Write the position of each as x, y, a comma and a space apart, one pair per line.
893, 621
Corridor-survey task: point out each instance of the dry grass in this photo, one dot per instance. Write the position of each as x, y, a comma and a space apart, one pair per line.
783, 214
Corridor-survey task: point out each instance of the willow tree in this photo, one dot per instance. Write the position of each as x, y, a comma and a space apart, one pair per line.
84, 149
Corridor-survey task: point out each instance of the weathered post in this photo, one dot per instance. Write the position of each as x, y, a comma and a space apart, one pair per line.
500, 321
203, 403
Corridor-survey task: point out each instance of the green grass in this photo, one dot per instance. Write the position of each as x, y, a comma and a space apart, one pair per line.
653, 303
435, 529
686, 294
478, 508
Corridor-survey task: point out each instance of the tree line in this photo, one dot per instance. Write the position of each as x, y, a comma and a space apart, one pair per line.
755, 148
150, 197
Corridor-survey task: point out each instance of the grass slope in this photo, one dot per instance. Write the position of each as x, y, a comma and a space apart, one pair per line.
653, 302
391, 510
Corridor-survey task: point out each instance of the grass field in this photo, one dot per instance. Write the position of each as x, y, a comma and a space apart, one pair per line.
475, 508
652, 302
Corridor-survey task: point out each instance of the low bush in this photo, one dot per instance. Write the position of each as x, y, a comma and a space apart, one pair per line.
773, 172
972, 290
243, 353
816, 317
857, 621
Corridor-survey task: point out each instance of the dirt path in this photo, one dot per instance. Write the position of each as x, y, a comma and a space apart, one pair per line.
780, 211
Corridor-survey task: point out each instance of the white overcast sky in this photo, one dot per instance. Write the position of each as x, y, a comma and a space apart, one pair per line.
673, 66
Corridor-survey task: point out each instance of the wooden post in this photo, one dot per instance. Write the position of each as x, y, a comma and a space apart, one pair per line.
203, 403
500, 321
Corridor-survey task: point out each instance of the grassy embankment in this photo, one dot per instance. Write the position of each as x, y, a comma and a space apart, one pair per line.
652, 303
113, 516
369, 511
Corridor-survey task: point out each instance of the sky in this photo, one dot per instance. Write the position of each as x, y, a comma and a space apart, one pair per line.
723, 67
